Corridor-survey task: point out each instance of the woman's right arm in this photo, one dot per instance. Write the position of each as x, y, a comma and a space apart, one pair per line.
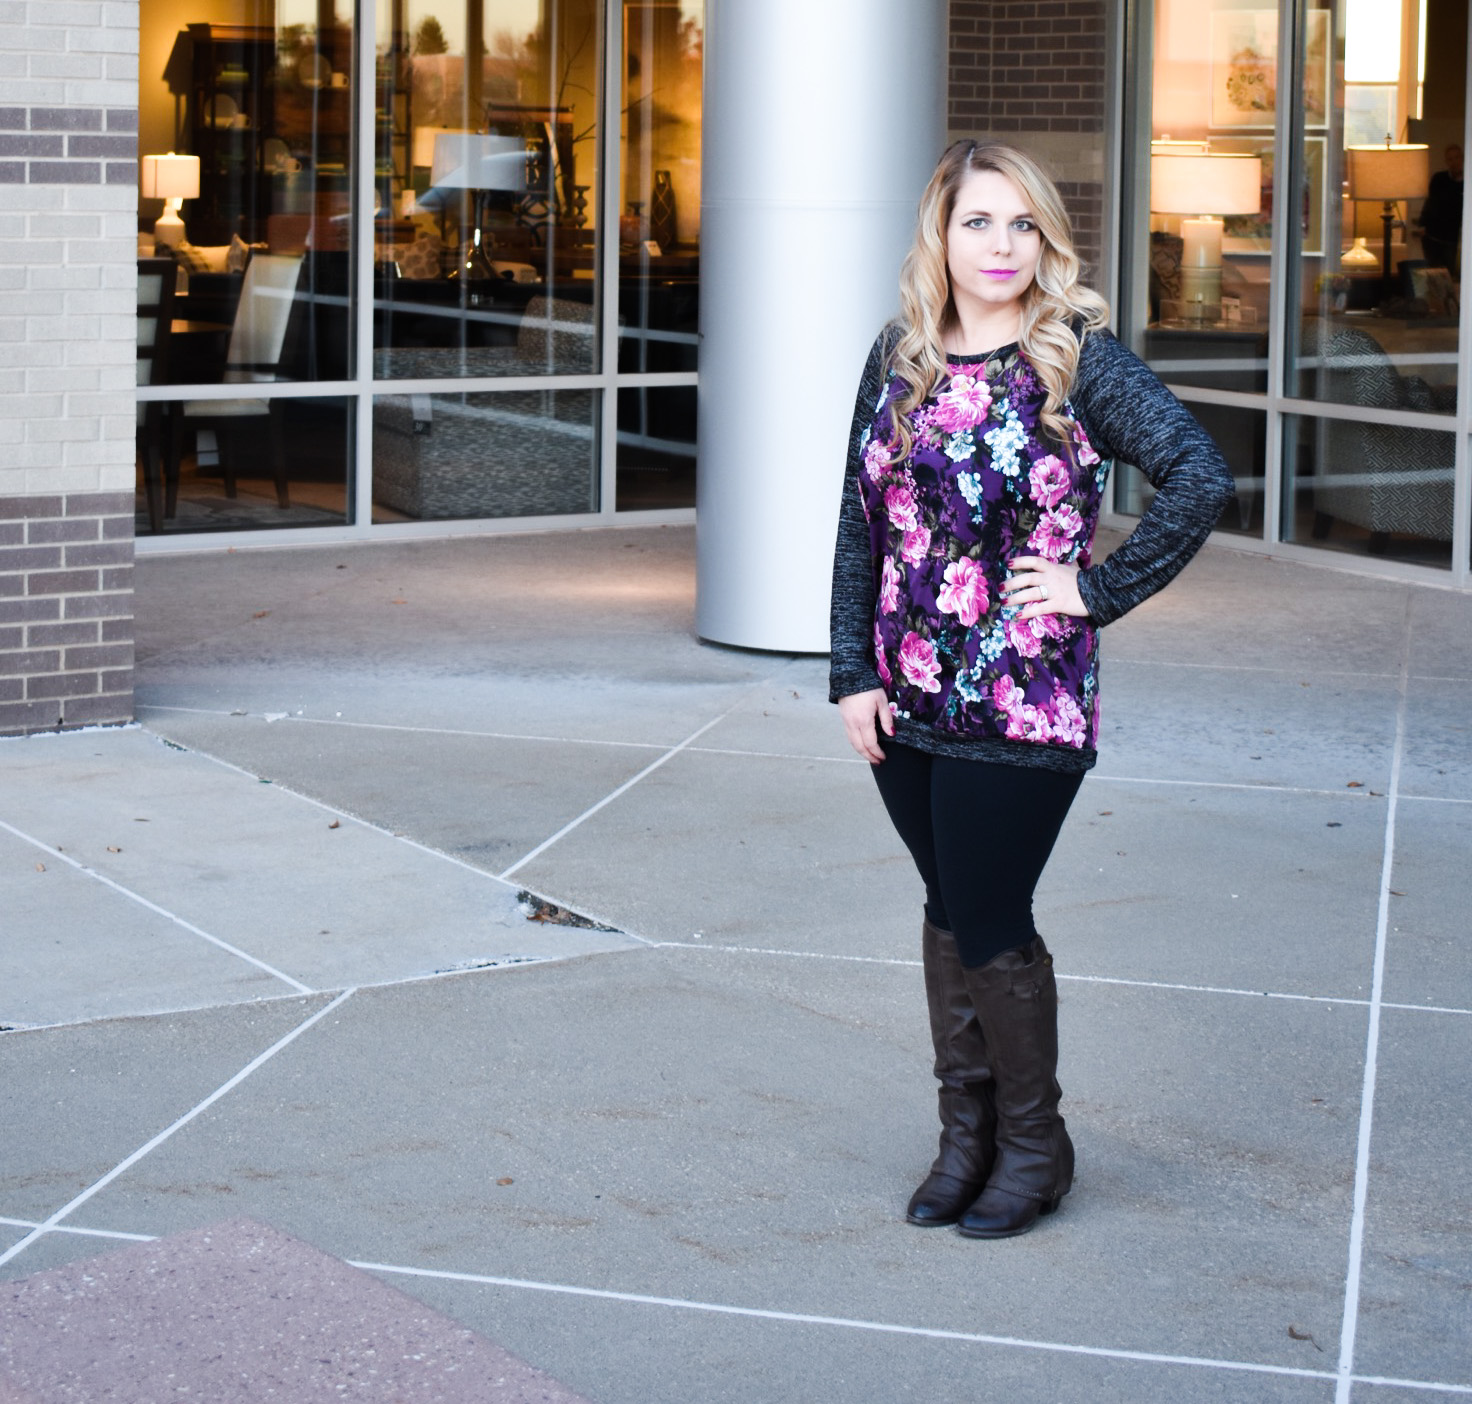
851, 610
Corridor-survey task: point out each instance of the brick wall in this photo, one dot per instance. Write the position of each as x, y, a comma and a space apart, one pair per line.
1032, 73
68, 199
66, 610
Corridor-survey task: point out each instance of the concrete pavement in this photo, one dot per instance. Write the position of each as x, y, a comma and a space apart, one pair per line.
667, 1161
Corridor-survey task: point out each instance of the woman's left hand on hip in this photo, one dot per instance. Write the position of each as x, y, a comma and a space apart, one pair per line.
1040, 586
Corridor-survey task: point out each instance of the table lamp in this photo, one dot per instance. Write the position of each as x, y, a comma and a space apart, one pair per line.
1388, 173
1204, 186
172, 179
478, 162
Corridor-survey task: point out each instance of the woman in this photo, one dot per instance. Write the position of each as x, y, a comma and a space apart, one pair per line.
965, 618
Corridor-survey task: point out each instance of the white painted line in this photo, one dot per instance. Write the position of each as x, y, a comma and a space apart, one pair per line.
155, 908
1434, 799
1082, 979
847, 1323
613, 795
1350, 1323
407, 841
84, 1232
1434, 1388
124, 1165
1230, 785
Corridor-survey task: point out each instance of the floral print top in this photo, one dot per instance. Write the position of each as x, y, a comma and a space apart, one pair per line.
983, 482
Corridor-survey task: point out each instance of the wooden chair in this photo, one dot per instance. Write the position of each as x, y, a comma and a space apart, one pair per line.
156, 281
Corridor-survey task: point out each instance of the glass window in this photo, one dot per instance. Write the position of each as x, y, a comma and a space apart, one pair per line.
1380, 293
656, 447
659, 220
1208, 180
243, 464
504, 453
245, 135
487, 173
245, 239
1377, 489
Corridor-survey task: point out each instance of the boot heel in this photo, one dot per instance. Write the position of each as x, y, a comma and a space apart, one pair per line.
1051, 1207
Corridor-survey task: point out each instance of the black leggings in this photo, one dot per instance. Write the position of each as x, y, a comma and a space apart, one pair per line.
980, 833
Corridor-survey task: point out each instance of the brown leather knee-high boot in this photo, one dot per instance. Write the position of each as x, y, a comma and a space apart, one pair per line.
967, 1118
1016, 999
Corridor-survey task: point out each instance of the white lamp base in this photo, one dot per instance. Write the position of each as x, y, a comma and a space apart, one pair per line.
169, 228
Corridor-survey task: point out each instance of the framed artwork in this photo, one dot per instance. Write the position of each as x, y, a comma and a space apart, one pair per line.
1253, 233
1244, 68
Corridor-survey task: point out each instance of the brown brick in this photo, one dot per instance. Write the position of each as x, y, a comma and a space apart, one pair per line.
30, 660
112, 606
116, 680
18, 718
100, 504
118, 528
12, 586
99, 710
118, 630
118, 578
24, 611
13, 509
85, 631
60, 582
73, 529
62, 685
99, 553
12, 636
12, 689
12, 533
30, 558
118, 655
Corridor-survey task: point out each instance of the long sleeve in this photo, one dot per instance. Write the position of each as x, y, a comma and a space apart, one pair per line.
851, 611
1129, 415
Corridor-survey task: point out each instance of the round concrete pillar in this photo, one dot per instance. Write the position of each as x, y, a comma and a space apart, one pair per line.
822, 121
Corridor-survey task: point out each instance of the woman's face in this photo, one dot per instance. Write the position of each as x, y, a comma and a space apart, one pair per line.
992, 244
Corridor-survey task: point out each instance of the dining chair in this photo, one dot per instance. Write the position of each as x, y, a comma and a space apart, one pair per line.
156, 281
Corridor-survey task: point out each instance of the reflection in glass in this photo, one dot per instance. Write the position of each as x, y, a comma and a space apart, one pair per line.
486, 167
1380, 296
1241, 434
659, 222
1376, 489
262, 114
656, 447
1204, 318
246, 464
509, 453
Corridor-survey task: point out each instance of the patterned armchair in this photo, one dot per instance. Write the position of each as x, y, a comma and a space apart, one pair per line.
1381, 477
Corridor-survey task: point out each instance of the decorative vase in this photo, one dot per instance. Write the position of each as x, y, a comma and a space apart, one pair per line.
662, 223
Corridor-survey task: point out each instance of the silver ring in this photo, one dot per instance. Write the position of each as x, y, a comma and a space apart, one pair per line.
1042, 592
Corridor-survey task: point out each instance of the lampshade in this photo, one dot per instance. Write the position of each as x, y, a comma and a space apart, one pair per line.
1388, 172
477, 161
424, 140
1198, 184
171, 177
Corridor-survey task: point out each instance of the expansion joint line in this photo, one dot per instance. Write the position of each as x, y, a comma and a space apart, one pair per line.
622, 789
1345, 1376
154, 907
123, 1166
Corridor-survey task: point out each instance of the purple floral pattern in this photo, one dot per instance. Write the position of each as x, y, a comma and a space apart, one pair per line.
983, 482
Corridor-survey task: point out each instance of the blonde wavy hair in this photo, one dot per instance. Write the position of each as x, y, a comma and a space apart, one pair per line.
1052, 306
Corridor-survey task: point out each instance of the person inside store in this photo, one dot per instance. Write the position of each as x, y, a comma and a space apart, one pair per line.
966, 612
1440, 220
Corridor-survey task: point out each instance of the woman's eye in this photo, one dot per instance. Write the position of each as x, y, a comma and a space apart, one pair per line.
1023, 226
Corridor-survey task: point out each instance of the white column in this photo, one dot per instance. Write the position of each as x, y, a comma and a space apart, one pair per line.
822, 122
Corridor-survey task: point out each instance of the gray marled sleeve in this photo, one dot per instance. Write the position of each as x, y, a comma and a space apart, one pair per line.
1129, 415
851, 610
